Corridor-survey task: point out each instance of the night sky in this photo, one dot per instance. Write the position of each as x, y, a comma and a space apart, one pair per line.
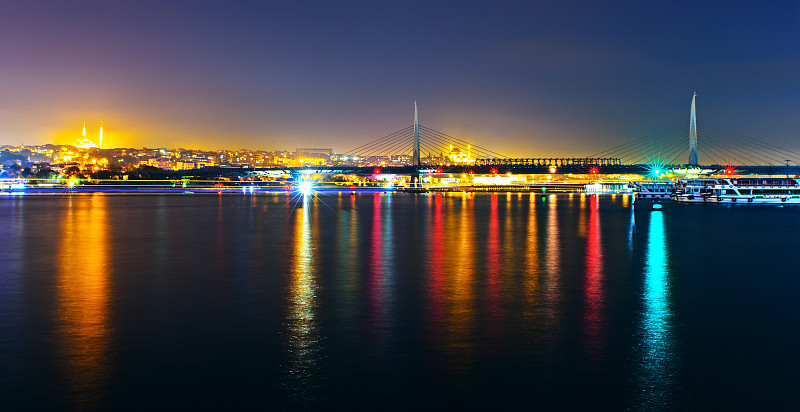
528, 78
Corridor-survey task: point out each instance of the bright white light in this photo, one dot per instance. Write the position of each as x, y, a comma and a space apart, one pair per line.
305, 186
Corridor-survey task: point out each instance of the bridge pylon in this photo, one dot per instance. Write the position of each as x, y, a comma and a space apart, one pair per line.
693, 135
417, 160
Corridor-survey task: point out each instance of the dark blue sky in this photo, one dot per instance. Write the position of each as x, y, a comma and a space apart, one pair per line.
524, 78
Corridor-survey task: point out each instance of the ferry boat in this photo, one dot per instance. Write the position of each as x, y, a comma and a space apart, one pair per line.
780, 191
653, 191
13, 185
694, 190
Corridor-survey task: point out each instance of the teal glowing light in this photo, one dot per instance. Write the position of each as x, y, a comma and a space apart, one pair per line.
657, 164
657, 347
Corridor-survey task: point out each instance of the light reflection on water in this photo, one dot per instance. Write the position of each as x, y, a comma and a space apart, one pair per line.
380, 276
302, 377
538, 297
656, 375
435, 261
460, 289
594, 317
493, 270
347, 244
532, 273
552, 282
12, 235
451, 281
83, 300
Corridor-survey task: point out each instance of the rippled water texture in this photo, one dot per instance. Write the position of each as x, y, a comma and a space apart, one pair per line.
393, 301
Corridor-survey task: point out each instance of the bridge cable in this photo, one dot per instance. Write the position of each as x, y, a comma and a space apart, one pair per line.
763, 150
728, 155
728, 148
667, 143
750, 139
760, 153
443, 142
665, 151
398, 146
731, 154
724, 157
389, 136
459, 140
636, 151
662, 156
379, 140
443, 146
716, 162
636, 140
633, 150
437, 141
731, 150
379, 146
769, 150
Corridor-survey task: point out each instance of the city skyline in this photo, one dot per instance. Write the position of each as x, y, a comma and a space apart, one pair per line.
530, 79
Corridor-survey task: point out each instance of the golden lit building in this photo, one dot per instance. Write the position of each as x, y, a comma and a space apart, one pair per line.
456, 156
84, 143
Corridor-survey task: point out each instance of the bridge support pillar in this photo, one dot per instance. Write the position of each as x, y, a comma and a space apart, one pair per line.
416, 183
417, 160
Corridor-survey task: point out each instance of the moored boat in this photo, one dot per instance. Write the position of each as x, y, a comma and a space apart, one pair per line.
13, 185
771, 190
694, 190
653, 191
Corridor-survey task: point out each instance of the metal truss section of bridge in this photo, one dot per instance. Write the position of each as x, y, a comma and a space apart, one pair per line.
483, 168
551, 161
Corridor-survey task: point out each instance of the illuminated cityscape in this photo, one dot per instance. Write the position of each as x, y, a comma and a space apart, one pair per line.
369, 206
415, 158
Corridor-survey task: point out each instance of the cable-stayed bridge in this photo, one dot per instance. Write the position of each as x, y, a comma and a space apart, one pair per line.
709, 147
717, 148
419, 149
689, 146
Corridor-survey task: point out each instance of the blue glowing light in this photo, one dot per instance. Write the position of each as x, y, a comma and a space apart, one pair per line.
306, 186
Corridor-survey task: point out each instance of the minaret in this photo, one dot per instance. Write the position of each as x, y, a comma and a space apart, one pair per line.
416, 161
693, 135
99, 145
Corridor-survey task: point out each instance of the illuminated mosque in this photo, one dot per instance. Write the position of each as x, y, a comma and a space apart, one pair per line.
84, 143
456, 156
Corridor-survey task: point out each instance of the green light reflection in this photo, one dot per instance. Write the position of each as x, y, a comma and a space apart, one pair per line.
656, 377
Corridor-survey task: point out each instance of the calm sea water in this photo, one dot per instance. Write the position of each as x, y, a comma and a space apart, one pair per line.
393, 301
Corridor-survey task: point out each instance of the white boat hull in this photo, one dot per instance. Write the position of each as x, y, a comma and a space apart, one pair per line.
750, 191
751, 200
692, 199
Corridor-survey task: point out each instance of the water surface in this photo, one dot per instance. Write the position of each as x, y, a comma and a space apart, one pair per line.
394, 301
